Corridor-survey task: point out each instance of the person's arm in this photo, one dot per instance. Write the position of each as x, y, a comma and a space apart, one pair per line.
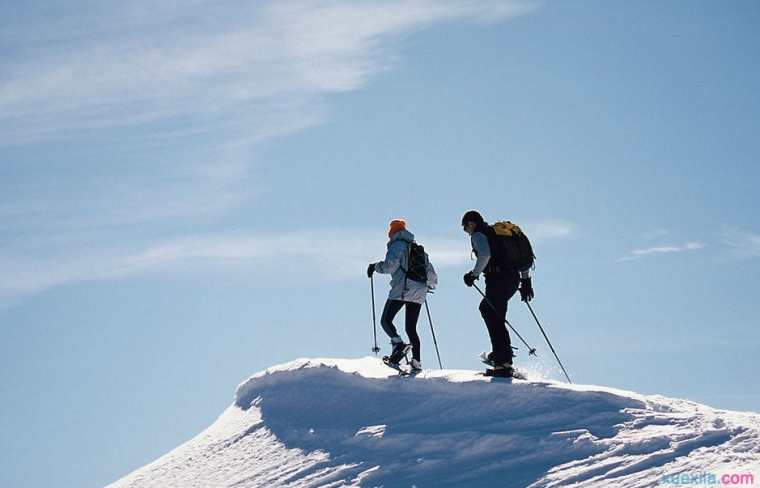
483, 250
392, 259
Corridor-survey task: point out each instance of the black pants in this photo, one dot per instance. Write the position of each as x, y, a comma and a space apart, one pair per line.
499, 289
412, 314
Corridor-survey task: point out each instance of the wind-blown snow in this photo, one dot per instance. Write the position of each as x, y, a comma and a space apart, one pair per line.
341, 422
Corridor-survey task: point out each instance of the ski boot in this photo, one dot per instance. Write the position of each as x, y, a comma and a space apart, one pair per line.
414, 366
505, 370
399, 352
501, 371
487, 358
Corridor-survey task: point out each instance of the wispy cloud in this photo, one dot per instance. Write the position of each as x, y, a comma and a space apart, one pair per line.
742, 244
271, 253
115, 118
667, 249
207, 63
549, 229
160, 107
326, 254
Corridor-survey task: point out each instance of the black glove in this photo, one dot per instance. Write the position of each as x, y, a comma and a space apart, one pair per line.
526, 289
370, 270
469, 279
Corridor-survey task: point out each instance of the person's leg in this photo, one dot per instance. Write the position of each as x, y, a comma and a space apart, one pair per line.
510, 288
412, 315
389, 313
494, 314
386, 320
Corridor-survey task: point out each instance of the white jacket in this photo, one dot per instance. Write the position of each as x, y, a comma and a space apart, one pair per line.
396, 261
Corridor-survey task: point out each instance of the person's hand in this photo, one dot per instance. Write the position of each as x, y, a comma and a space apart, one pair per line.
469, 278
370, 270
526, 289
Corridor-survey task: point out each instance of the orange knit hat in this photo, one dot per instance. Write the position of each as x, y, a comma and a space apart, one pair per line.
396, 225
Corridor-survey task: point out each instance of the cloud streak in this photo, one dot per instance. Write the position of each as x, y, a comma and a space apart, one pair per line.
742, 244
658, 250
330, 255
124, 124
161, 107
549, 229
207, 63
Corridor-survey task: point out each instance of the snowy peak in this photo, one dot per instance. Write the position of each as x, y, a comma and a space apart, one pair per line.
331, 422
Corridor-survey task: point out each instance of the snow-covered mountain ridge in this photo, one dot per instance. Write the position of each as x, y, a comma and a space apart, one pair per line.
354, 422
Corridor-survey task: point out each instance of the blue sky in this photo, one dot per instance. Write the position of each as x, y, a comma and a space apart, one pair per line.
190, 193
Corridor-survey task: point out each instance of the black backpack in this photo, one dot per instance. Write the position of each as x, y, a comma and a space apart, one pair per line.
510, 247
416, 262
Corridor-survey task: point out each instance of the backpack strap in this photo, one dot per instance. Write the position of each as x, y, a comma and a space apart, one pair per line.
408, 246
406, 271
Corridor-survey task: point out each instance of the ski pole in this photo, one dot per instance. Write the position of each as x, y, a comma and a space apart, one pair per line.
374, 320
427, 309
547, 341
531, 350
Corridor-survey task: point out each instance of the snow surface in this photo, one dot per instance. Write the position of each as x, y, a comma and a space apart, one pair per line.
354, 422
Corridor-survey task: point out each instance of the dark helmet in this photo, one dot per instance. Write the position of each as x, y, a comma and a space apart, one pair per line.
472, 216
